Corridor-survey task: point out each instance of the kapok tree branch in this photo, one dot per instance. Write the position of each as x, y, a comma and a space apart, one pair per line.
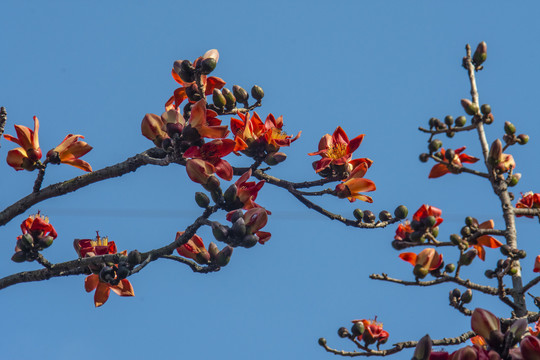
62, 188
399, 346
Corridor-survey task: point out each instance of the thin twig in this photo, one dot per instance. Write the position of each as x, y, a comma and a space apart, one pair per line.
193, 265
3, 120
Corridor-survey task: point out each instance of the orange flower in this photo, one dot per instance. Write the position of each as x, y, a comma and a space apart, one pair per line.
199, 171
208, 83
254, 219
69, 151
428, 210
101, 246
485, 240
354, 184
427, 260
25, 156
193, 249
528, 200
153, 127
373, 332
537, 264
336, 150
205, 121
403, 231
38, 234
247, 190
212, 152
480, 341
443, 168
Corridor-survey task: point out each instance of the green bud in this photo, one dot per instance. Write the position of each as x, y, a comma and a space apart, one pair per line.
490, 274
480, 54
224, 256
238, 229
469, 107
420, 272
322, 341
229, 97
213, 250
19, 257
250, 241
230, 195
450, 134
202, 199
343, 332
208, 65
385, 215
509, 128
513, 270
435, 145
240, 94
401, 212
469, 220
357, 329
399, 244
257, 92
514, 179
467, 258
45, 242
358, 214
522, 139
505, 250
26, 242
465, 231
450, 268
522, 254
429, 221
455, 239
219, 231
450, 154
433, 122
467, 296
495, 152
275, 158
218, 98
449, 120
435, 231
485, 109
489, 119
455, 293
461, 121
418, 236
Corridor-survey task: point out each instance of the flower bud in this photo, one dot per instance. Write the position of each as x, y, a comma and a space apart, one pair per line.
485, 109
429, 221
483, 323
322, 341
229, 97
455, 239
418, 236
449, 120
45, 242
213, 250
399, 244
257, 92
450, 268
505, 250
455, 294
219, 231
208, 65
230, 194
19, 257
202, 258
202, 199
238, 229
122, 272
522, 139
358, 214
358, 329
450, 155
26, 242
530, 348
514, 179
467, 258
343, 332
275, 158
385, 215
434, 145
469, 107
518, 328
401, 212
495, 152
461, 121
420, 272
467, 296
134, 258
435, 231
369, 217
212, 183
106, 274
424, 157
240, 94
423, 349
509, 128
184, 69
488, 119
192, 92
218, 98
224, 256
480, 54
249, 241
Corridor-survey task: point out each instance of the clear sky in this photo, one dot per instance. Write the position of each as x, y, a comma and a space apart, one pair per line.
376, 68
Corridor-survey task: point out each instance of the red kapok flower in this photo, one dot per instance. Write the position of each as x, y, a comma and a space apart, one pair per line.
205, 121
212, 152
427, 260
254, 220
247, 190
38, 234
443, 168
355, 184
403, 231
427, 210
483, 323
530, 348
25, 156
101, 246
337, 150
537, 264
529, 200
373, 332
38, 225
209, 83
199, 170
485, 240
194, 249
275, 137
69, 151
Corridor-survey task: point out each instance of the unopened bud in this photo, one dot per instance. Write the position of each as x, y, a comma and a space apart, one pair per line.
435, 231
224, 256
369, 217
514, 179
461, 121
343, 332
435, 145
450, 268
238, 228
469, 107
213, 250
489, 118
429, 221
322, 341
358, 329
218, 98
418, 236
122, 272
522, 139
423, 349
229, 97
219, 231
19, 257
26, 242
230, 194
495, 152
240, 94
467, 258
450, 154
257, 92
399, 244
45, 242
509, 128
212, 183
480, 54
208, 65
401, 212
467, 296
202, 199
275, 158
455, 239
455, 293
420, 272
424, 157
449, 120
134, 258
484, 323
358, 214
185, 70
249, 241
385, 215
485, 109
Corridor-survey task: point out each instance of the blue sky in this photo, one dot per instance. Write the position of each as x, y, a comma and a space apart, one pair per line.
375, 68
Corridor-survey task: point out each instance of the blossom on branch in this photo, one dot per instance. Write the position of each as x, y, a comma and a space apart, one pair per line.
529, 200
28, 154
105, 278
445, 167
206, 123
484, 240
193, 249
37, 234
69, 151
373, 332
355, 184
427, 260
212, 153
336, 152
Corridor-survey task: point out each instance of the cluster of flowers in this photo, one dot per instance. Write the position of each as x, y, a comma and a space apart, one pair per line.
28, 155
37, 234
368, 331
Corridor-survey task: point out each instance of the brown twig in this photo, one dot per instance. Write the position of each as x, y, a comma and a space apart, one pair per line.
3, 120
193, 265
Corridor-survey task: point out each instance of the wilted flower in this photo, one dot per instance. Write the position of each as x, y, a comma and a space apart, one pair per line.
25, 156
69, 151
444, 168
